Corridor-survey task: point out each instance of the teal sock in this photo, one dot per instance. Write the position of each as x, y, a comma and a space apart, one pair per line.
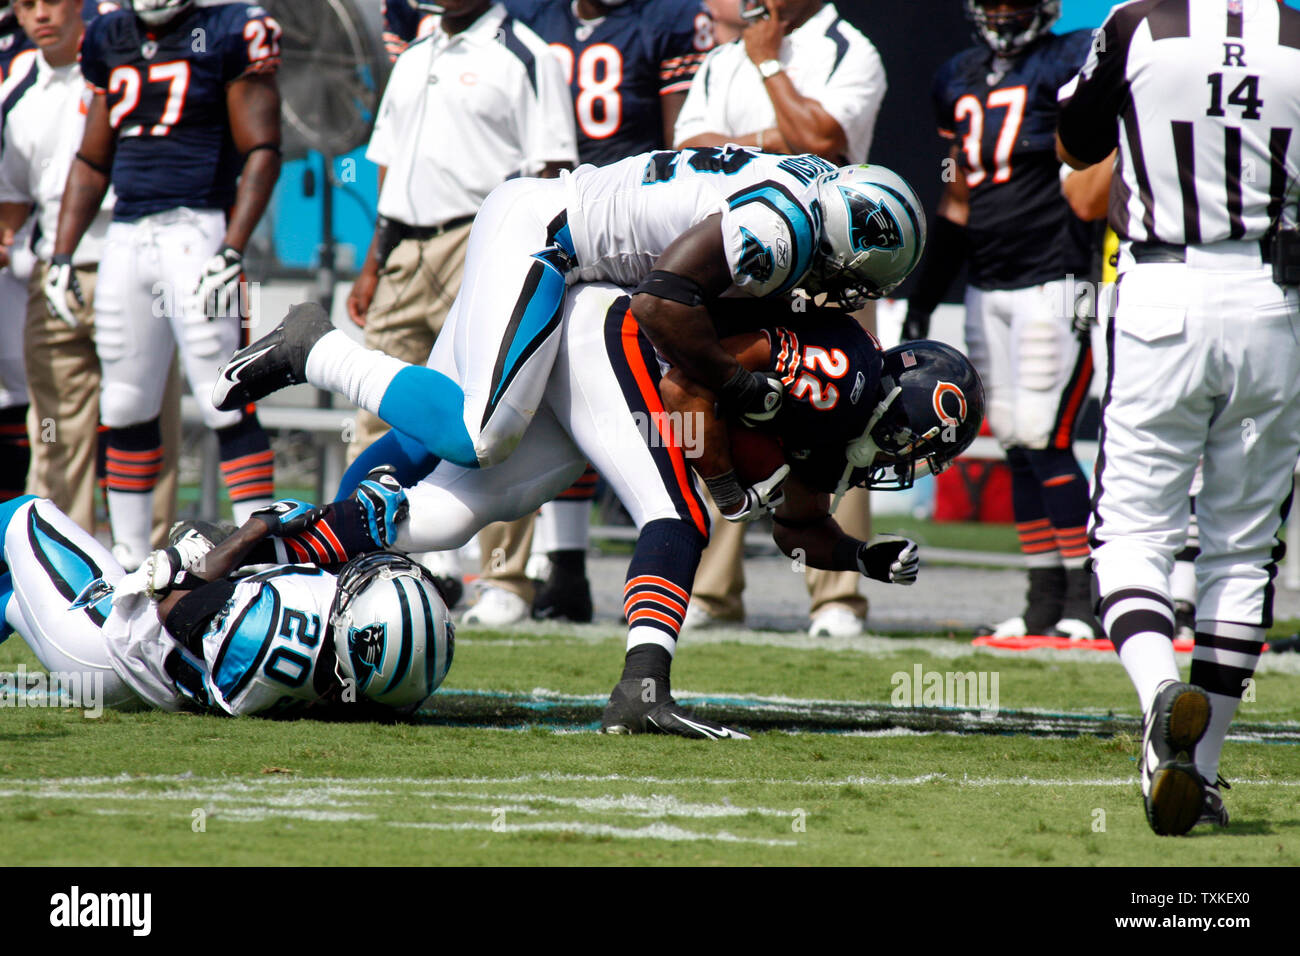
6, 592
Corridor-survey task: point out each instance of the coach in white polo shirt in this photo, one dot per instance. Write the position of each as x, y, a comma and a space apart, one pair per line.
799, 80
476, 102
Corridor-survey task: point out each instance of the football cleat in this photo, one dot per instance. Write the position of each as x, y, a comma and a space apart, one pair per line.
1172, 788
563, 597
1077, 619
275, 361
1215, 812
630, 712
1044, 603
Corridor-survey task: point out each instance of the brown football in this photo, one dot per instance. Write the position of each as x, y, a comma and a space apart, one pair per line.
754, 455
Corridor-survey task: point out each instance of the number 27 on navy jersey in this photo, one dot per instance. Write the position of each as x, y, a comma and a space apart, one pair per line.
166, 95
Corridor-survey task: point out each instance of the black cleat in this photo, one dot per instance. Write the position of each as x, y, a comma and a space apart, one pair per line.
1174, 792
1215, 813
450, 589
630, 712
1044, 603
275, 361
1077, 620
563, 597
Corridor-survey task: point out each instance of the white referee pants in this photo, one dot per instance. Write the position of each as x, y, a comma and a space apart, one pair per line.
1204, 361
601, 404
1035, 372
145, 305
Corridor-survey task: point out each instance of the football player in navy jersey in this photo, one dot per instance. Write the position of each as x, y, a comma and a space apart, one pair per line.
629, 64
406, 21
13, 40
184, 124
1003, 214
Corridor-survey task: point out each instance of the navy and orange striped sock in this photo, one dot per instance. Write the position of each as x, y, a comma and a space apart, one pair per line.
15, 451
659, 581
247, 466
134, 458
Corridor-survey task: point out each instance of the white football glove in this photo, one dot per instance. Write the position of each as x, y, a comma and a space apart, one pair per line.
61, 285
771, 394
894, 561
218, 289
741, 504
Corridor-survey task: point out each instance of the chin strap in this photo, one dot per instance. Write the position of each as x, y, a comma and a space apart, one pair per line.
862, 451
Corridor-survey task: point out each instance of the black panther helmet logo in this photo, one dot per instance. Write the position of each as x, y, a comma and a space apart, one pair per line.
366, 647
871, 224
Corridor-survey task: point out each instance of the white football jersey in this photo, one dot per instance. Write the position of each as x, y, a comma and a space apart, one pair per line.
262, 649
623, 216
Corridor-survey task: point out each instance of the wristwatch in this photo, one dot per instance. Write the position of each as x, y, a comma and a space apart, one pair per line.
769, 68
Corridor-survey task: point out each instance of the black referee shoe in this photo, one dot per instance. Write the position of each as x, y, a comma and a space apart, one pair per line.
1172, 788
275, 361
628, 712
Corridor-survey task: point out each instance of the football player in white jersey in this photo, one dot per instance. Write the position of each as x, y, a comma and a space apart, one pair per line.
681, 227
179, 634
853, 415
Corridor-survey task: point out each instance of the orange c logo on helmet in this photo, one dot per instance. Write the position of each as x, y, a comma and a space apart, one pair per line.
958, 415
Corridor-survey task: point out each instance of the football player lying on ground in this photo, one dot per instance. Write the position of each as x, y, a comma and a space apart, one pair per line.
180, 633
852, 414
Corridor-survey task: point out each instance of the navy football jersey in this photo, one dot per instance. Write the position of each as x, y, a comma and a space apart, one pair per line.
619, 70
1021, 230
167, 102
403, 25
830, 367
13, 41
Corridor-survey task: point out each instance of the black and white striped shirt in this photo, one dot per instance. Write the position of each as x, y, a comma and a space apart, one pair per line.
1202, 97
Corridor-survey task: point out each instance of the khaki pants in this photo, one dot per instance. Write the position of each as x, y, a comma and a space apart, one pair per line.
417, 286
505, 546
63, 421
720, 580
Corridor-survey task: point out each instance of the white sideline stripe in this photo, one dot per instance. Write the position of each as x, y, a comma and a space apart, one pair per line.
655, 805
655, 831
329, 785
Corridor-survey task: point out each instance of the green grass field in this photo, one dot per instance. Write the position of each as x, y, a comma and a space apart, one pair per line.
508, 769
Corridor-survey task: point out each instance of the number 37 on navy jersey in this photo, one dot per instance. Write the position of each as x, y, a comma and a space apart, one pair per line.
166, 95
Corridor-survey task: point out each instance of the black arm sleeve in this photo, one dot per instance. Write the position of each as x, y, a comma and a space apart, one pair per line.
945, 254
1091, 104
190, 616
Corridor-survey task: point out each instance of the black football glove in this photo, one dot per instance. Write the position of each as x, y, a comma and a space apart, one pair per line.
894, 561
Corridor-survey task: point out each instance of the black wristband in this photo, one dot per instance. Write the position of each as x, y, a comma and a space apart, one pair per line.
741, 393
726, 491
844, 555
61, 260
945, 254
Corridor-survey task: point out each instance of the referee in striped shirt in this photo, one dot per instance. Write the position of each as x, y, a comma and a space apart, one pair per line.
1202, 99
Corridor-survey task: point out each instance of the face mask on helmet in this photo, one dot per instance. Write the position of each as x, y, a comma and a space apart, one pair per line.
931, 409
392, 633
1008, 32
751, 10
156, 13
872, 236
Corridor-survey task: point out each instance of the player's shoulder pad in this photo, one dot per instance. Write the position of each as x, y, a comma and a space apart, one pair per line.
107, 31
1072, 48
774, 232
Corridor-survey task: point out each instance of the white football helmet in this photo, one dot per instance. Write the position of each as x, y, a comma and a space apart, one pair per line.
873, 233
392, 633
156, 13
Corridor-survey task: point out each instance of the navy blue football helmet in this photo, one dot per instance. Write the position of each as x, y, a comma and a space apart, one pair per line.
930, 410
1008, 32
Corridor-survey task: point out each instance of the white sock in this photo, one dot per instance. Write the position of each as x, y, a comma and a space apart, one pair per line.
1208, 752
243, 510
567, 525
1149, 660
360, 375
130, 515
1182, 582
639, 634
